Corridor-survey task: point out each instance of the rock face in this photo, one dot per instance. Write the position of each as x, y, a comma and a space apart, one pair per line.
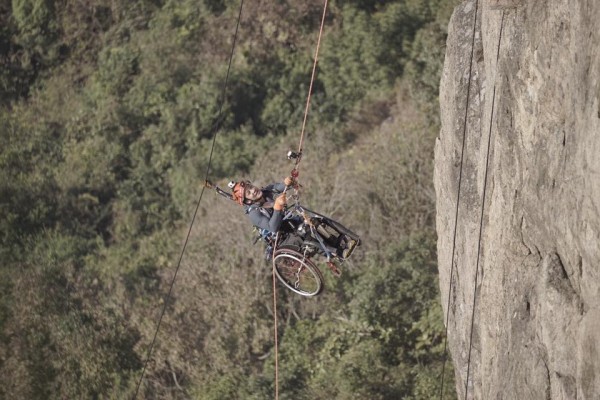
528, 214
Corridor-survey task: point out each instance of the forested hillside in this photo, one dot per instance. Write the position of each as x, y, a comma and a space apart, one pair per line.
107, 111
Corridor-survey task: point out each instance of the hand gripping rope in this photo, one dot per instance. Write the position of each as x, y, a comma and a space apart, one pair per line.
298, 155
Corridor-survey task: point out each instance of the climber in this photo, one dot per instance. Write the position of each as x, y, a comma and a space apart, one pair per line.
265, 207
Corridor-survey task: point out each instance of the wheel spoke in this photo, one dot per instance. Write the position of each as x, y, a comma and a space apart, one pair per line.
297, 272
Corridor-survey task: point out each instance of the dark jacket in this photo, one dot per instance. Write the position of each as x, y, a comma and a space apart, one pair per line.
263, 215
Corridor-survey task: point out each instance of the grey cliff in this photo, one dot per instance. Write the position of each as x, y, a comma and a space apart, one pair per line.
534, 95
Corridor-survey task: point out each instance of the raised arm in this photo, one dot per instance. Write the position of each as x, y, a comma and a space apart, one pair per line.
263, 222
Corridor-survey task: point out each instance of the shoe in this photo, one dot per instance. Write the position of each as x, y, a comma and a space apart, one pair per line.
351, 246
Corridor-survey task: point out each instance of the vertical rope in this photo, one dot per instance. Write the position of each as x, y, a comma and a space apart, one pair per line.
216, 127
275, 318
462, 152
487, 162
312, 79
295, 172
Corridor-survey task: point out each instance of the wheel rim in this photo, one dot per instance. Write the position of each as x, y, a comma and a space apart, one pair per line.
297, 274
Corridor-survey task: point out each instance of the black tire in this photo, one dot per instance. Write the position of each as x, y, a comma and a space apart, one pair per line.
297, 272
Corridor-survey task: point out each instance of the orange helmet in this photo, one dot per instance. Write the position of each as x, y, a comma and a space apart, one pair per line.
238, 191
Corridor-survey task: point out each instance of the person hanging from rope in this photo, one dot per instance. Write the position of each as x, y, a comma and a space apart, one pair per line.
265, 207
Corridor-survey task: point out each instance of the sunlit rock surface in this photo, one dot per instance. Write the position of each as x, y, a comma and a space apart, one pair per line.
534, 90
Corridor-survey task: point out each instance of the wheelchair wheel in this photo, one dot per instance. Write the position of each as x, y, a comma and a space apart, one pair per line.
297, 272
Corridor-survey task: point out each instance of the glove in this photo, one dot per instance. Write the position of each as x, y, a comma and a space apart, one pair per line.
280, 202
288, 181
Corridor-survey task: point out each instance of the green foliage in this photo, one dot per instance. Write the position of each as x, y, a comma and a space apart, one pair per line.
370, 49
36, 21
117, 67
37, 32
388, 348
350, 64
224, 387
425, 67
232, 153
14, 77
27, 192
384, 344
61, 333
107, 117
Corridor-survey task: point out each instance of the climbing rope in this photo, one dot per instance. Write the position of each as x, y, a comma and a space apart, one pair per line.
216, 127
487, 161
462, 152
295, 173
275, 329
312, 80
